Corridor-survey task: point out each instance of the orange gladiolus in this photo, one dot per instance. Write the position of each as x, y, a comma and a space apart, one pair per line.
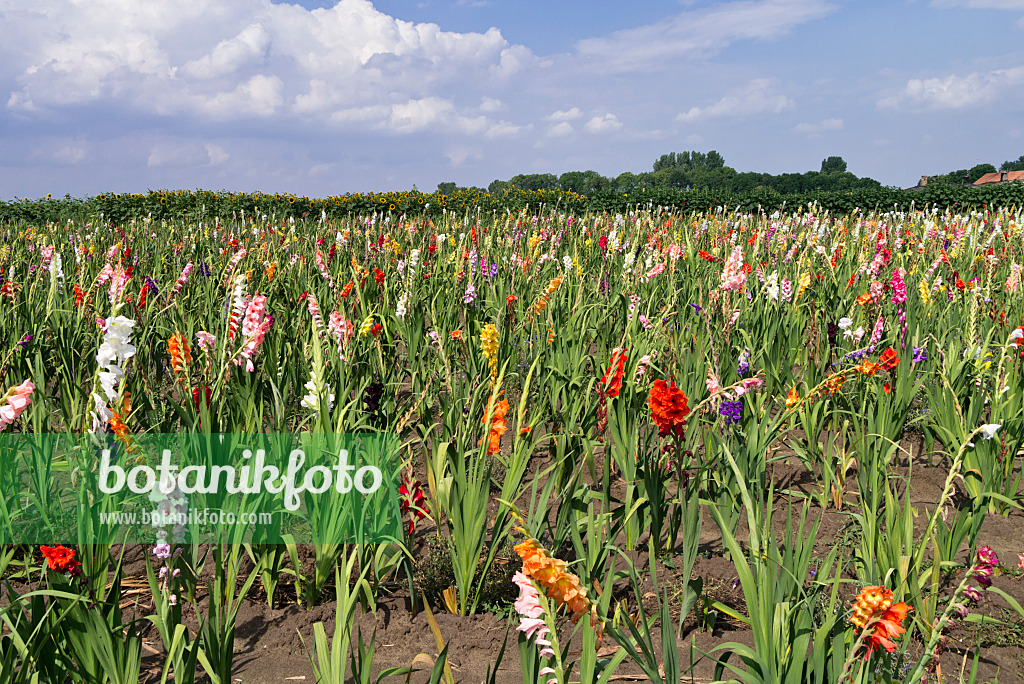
873, 609
559, 585
867, 368
835, 383
498, 425
180, 352
792, 399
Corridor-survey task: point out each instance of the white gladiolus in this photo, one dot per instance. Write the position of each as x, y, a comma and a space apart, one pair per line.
312, 400
988, 431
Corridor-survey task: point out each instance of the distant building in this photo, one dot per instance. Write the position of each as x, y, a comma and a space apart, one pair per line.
1000, 177
920, 184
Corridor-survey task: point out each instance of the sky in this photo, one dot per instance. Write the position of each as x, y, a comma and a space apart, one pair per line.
322, 98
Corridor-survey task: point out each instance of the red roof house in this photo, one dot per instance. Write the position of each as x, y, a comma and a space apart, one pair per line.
1000, 177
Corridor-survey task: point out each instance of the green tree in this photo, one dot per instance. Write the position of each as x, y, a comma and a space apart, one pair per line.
447, 188
497, 186
833, 165
689, 161
573, 180
535, 181
980, 170
1013, 165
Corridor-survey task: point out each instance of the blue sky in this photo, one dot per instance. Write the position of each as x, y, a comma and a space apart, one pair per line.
324, 97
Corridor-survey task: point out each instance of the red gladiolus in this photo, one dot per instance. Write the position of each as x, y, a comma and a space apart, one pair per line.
195, 396
414, 502
61, 559
888, 359
612, 379
669, 408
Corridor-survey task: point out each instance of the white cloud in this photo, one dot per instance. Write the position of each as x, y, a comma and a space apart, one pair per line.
490, 105
416, 115
460, 154
248, 47
955, 92
239, 59
700, 32
754, 98
821, 126
601, 124
564, 115
216, 154
261, 95
560, 130
504, 129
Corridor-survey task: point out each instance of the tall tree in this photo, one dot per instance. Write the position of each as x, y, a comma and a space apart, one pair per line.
689, 161
833, 165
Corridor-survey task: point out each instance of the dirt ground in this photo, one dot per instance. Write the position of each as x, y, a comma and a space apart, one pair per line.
269, 648
272, 645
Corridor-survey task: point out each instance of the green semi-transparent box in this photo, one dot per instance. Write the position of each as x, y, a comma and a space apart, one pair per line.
186, 488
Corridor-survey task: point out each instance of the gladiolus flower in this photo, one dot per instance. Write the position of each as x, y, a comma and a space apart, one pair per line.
15, 402
668, 405
792, 399
489, 346
888, 360
612, 379
498, 424
988, 431
414, 502
180, 353
873, 609
61, 559
867, 368
559, 585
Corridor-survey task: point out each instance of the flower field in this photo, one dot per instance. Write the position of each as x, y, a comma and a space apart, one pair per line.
654, 445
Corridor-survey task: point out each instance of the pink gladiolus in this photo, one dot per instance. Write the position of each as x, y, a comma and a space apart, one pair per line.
206, 341
254, 328
182, 279
320, 264
528, 603
532, 626
712, 383
314, 311
118, 281
14, 402
733, 276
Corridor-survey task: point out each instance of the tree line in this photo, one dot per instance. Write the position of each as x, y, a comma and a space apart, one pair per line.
690, 170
